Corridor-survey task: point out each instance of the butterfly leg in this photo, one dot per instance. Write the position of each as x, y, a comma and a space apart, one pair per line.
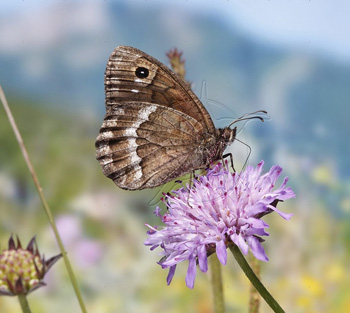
192, 176
231, 159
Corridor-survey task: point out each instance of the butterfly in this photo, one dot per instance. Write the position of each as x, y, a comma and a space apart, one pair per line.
155, 128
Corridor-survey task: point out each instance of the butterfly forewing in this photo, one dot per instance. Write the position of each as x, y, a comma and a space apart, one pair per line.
161, 86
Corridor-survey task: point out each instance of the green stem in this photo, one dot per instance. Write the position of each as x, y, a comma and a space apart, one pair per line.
216, 281
43, 200
24, 303
255, 280
254, 301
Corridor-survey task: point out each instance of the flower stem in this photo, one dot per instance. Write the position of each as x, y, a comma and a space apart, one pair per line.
216, 281
24, 303
43, 200
255, 280
254, 301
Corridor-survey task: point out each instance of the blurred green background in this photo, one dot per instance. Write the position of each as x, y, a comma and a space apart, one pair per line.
291, 59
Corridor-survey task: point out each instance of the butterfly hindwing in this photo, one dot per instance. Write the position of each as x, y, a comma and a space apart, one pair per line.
142, 145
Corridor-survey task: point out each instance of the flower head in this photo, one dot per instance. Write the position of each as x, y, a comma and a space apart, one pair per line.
177, 62
220, 209
22, 270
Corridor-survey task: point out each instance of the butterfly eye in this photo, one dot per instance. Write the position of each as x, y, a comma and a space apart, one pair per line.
142, 72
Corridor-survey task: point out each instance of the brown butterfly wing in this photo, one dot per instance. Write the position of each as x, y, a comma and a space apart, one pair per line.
143, 145
155, 128
124, 82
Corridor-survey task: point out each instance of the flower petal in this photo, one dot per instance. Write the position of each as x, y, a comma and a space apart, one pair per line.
257, 249
286, 216
221, 252
240, 242
255, 209
191, 273
202, 258
170, 274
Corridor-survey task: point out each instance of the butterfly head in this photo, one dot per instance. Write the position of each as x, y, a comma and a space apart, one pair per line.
224, 137
227, 135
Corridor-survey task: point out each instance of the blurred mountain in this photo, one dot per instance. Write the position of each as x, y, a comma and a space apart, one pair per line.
47, 55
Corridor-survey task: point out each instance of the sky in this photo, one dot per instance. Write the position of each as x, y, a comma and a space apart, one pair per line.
320, 25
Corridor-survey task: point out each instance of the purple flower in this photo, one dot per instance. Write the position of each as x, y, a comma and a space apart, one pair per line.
221, 208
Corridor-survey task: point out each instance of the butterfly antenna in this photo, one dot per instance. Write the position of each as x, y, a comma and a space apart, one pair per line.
251, 116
